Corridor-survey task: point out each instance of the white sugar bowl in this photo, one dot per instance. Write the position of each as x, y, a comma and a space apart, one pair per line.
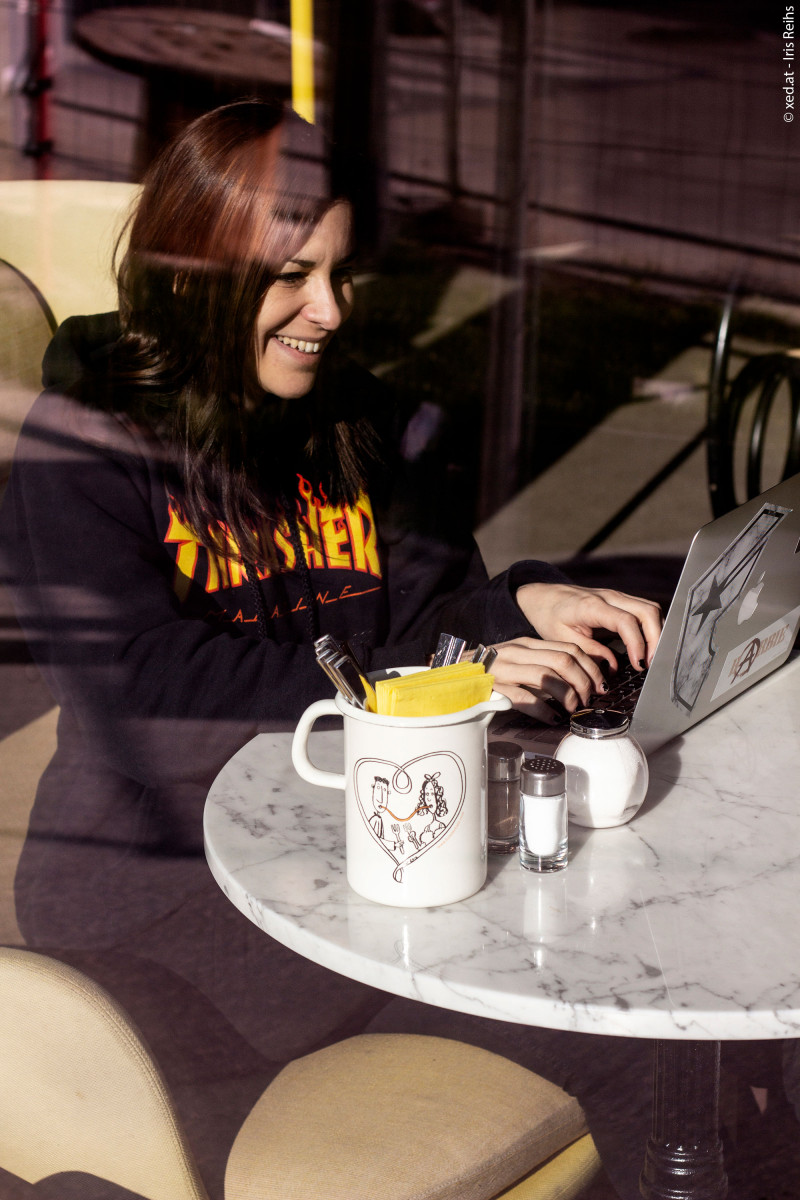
606, 769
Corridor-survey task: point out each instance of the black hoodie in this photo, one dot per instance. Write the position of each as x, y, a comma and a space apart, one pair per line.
164, 659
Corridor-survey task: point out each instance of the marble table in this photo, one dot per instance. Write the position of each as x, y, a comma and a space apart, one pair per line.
680, 926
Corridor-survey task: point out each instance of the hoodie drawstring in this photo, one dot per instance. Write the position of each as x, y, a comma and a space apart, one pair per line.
258, 600
312, 612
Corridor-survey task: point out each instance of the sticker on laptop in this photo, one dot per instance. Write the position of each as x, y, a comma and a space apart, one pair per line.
757, 652
717, 591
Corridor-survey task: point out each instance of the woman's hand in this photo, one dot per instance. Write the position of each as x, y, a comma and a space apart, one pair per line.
565, 664
532, 672
563, 612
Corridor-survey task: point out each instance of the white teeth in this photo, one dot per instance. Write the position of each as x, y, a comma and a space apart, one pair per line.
305, 347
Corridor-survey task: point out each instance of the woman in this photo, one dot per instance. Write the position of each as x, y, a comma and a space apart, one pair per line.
203, 489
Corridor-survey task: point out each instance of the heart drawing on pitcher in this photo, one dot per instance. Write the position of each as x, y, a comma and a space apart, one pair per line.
409, 807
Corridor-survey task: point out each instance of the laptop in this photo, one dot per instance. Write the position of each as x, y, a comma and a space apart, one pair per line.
732, 621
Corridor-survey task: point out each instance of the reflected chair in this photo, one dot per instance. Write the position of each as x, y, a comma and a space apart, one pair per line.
750, 436
56, 244
59, 235
753, 430
409, 1116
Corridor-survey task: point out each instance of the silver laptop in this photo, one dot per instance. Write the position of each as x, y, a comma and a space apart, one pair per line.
733, 620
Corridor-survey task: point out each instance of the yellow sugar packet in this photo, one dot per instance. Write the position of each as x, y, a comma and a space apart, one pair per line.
446, 697
371, 702
435, 692
434, 677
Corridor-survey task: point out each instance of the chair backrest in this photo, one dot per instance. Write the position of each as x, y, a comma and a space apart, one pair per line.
24, 754
60, 234
754, 430
24, 333
56, 244
79, 1090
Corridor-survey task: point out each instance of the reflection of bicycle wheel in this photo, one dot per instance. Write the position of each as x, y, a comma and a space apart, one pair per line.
758, 418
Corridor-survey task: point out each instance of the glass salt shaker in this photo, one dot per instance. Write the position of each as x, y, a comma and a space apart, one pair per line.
504, 762
607, 773
543, 843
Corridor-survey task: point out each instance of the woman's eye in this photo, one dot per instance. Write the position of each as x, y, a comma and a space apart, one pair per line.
290, 277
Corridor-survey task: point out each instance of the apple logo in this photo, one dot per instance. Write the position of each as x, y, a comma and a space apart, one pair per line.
750, 601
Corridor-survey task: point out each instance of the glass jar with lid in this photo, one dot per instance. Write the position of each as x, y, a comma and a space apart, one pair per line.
606, 768
504, 763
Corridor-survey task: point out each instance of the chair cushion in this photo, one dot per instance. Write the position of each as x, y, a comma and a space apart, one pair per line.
562, 1177
399, 1116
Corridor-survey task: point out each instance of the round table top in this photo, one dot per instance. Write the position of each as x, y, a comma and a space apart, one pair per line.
222, 45
681, 924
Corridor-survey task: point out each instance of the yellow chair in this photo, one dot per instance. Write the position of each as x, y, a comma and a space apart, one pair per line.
409, 1117
56, 246
78, 1088
60, 235
24, 334
393, 1115
25, 330
24, 754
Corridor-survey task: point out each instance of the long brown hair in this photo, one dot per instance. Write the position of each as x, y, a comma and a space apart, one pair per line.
222, 208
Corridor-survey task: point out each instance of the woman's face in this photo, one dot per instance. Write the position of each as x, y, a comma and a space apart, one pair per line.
307, 302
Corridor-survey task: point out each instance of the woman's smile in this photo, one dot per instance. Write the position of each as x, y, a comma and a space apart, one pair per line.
303, 347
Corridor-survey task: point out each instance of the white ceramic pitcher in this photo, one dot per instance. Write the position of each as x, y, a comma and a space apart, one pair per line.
415, 799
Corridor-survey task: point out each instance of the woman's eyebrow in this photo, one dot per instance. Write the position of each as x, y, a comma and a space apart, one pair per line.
308, 263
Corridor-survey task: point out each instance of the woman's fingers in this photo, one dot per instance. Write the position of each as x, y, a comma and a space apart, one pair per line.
562, 671
565, 612
638, 622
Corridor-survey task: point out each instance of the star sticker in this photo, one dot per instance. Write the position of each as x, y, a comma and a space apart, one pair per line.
711, 602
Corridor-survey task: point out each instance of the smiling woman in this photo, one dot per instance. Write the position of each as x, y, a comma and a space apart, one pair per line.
236, 277
205, 488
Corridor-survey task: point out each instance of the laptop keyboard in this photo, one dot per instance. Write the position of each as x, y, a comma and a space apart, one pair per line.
621, 695
624, 692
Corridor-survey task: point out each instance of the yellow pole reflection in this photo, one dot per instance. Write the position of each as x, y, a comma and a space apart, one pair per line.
303, 58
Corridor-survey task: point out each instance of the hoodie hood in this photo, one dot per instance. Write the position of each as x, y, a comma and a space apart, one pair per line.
79, 348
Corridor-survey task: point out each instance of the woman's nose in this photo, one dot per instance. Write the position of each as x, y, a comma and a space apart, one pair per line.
325, 306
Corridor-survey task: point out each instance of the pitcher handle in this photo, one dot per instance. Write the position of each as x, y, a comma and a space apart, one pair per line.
497, 702
300, 760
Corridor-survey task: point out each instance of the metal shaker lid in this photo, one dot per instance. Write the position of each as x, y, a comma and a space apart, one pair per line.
599, 723
542, 776
504, 761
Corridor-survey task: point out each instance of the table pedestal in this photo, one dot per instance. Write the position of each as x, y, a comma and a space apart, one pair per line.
684, 1152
